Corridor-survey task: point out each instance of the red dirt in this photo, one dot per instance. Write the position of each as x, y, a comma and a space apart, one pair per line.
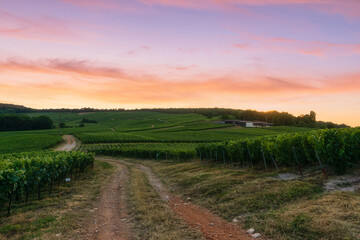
211, 226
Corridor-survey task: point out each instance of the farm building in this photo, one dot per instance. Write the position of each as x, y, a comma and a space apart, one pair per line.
243, 123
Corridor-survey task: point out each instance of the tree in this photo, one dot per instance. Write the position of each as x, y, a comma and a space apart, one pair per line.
313, 116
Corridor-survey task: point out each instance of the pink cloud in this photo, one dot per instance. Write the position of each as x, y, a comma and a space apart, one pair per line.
344, 7
131, 87
124, 6
184, 68
314, 48
61, 67
43, 28
242, 46
350, 8
132, 52
135, 51
188, 50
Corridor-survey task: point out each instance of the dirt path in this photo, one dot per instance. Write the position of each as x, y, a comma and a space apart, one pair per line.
68, 144
110, 220
110, 216
211, 226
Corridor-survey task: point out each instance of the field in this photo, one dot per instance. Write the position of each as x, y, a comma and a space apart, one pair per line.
158, 127
172, 168
137, 126
27, 141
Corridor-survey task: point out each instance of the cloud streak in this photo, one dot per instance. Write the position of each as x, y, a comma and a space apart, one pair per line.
314, 48
41, 28
113, 5
118, 85
349, 8
345, 7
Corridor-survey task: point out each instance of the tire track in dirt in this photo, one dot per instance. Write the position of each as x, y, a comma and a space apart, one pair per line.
211, 226
68, 144
111, 216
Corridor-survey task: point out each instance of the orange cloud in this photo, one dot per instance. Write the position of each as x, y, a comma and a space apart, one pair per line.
117, 85
61, 67
184, 68
74, 83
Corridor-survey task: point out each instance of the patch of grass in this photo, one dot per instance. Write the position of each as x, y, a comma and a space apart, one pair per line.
230, 192
44, 222
10, 229
279, 209
61, 213
106, 165
331, 216
155, 220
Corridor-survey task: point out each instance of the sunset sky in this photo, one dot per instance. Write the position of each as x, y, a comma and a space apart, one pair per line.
285, 55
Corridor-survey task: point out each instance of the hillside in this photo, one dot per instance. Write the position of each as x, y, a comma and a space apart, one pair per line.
274, 117
12, 108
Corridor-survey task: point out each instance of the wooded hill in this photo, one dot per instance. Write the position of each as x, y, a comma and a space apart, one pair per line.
275, 117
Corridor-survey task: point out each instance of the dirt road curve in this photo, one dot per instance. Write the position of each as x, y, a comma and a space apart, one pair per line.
111, 214
110, 217
68, 144
211, 226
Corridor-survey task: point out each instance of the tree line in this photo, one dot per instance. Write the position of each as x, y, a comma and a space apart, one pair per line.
20, 122
275, 117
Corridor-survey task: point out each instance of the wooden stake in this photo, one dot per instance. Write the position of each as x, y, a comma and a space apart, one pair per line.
263, 155
273, 160
296, 160
322, 167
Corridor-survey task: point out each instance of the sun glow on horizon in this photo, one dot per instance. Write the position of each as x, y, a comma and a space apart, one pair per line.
285, 55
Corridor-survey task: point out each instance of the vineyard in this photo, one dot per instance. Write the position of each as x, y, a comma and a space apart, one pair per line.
27, 141
175, 151
123, 138
182, 134
338, 149
25, 174
232, 170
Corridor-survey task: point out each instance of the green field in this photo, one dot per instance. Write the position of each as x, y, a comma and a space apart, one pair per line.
27, 140
132, 126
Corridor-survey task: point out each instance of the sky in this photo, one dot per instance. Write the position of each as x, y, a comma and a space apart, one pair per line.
287, 55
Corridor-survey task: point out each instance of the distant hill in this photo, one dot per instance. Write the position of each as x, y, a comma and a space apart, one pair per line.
275, 117
12, 108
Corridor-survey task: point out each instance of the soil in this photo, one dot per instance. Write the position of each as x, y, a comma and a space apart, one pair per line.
68, 144
211, 226
110, 221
